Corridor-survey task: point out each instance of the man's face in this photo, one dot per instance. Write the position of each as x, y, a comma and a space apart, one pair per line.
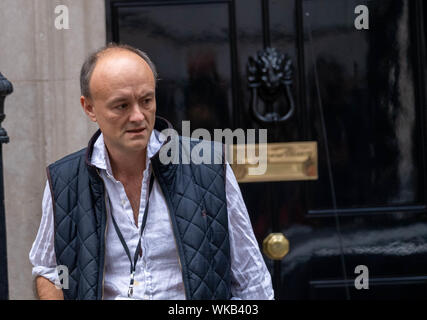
122, 100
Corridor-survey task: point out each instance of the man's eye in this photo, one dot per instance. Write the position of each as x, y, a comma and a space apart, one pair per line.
146, 101
122, 106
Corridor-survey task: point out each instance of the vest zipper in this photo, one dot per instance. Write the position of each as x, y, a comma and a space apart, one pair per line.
105, 232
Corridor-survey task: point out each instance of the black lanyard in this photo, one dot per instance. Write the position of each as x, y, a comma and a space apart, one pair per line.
138, 248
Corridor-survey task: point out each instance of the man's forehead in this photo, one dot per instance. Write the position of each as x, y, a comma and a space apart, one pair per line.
122, 94
120, 68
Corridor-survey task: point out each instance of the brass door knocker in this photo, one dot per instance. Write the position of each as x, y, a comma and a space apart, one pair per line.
269, 76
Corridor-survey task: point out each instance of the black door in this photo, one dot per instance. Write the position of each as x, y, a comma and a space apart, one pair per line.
358, 93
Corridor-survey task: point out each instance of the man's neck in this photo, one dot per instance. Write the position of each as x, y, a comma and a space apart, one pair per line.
127, 165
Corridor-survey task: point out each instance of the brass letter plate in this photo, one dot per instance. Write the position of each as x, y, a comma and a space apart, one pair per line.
290, 161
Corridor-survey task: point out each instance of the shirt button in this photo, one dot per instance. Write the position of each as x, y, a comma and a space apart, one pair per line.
123, 202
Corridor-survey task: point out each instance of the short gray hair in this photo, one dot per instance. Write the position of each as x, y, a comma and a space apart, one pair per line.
91, 60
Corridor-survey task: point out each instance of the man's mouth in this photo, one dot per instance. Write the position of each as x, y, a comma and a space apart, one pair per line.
138, 130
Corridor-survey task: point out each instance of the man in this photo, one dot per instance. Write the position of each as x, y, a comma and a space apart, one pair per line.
127, 226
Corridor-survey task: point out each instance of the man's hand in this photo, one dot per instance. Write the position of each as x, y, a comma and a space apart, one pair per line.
46, 290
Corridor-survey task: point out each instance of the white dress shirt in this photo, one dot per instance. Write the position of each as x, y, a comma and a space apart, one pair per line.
158, 274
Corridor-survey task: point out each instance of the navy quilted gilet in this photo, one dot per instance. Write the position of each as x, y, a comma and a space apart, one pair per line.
195, 196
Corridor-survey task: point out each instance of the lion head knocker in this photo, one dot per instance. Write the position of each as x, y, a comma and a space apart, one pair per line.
269, 76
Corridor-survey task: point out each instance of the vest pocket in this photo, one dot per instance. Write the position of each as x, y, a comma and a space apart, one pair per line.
208, 227
210, 251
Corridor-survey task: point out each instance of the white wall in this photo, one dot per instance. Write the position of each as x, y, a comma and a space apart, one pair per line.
44, 119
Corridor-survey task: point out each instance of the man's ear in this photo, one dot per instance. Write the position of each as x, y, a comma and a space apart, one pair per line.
87, 106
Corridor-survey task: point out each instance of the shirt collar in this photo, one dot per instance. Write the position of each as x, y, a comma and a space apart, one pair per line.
100, 157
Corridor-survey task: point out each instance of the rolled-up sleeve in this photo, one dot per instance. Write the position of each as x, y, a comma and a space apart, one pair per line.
42, 253
250, 278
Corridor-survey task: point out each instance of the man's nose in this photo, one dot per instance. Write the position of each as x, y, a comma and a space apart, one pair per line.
136, 114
